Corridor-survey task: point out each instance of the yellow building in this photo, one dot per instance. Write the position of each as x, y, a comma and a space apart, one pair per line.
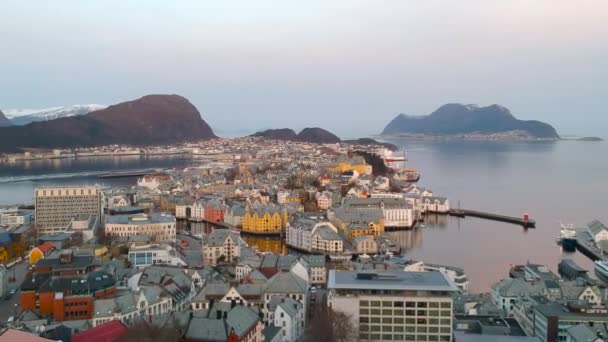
355, 164
40, 252
4, 255
265, 219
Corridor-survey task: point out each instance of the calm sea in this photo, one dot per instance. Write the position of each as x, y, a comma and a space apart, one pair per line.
551, 181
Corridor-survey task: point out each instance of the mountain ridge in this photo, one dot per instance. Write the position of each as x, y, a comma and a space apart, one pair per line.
457, 119
4, 121
149, 120
25, 116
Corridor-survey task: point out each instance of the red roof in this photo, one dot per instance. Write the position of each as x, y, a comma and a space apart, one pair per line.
46, 247
12, 335
107, 332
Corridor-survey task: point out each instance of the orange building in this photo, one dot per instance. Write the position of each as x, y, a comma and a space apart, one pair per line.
40, 252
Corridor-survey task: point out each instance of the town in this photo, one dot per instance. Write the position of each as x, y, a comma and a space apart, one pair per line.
268, 240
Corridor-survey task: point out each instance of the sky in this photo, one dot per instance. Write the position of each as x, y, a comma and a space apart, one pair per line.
349, 66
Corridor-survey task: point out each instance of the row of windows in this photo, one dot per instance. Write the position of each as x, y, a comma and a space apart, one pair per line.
401, 312
407, 321
401, 304
444, 328
400, 337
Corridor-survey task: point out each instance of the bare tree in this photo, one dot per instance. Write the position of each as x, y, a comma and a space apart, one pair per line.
330, 326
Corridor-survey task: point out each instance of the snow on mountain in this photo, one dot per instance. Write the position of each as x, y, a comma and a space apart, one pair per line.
25, 116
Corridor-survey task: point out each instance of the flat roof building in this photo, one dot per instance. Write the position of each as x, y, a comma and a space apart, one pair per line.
56, 207
395, 305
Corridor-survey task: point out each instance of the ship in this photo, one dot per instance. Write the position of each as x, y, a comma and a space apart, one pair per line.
409, 175
601, 270
567, 238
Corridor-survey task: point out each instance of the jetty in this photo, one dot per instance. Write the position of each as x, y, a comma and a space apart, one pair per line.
522, 221
585, 245
134, 173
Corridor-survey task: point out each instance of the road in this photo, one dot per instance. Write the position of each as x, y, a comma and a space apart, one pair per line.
193, 254
11, 306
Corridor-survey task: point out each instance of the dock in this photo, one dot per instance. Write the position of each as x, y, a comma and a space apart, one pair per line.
587, 247
134, 173
526, 223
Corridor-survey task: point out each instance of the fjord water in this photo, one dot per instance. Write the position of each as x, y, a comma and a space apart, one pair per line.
551, 181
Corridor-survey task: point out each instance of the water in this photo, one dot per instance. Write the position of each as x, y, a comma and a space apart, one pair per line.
18, 180
551, 181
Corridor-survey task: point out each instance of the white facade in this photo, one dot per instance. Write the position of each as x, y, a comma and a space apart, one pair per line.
289, 316
144, 256
198, 211
221, 244
435, 205
181, 211
161, 227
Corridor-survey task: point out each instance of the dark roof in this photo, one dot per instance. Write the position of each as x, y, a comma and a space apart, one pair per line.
78, 262
107, 332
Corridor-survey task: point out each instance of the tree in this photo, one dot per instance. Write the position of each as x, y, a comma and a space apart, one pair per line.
328, 325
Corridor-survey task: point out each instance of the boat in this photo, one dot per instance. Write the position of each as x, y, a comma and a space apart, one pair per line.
408, 175
567, 238
601, 270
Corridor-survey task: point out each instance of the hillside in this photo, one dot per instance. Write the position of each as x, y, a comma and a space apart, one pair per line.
277, 134
458, 119
152, 119
4, 121
317, 135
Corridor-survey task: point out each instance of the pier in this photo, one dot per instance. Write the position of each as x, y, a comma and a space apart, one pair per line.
135, 173
587, 247
525, 222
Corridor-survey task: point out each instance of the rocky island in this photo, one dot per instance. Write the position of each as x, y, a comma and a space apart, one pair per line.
458, 121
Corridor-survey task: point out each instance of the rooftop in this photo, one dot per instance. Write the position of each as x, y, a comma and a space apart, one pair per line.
390, 280
140, 219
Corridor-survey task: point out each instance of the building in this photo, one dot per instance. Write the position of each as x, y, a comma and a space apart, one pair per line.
455, 274
289, 317
14, 217
434, 204
314, 236
215, 210
57, 206
317, 269
552, 321
507, 291
65, 288
365, 244
198, 211
234, 215
221, 245
598, 231
159, 227
41, 252
394, 305
226, 323
265, 219
397, 212
324, 200
155, 254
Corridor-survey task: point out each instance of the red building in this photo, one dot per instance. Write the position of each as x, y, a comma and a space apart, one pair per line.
214, 211
65, 287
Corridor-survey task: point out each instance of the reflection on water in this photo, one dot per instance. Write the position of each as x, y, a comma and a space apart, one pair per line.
272, 244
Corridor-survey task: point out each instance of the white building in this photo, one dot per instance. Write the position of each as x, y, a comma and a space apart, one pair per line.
365, 244
160, 227
455, 274
289, 317
14, 217
221, 245
598, 231
324, 200
432, 204
198, 211
397, 212
155, 254
394, 305
182, 210
314, 235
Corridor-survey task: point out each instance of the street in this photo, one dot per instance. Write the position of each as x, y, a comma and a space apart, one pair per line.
192, 255
10, 307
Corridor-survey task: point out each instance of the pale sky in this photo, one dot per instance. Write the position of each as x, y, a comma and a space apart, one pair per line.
346, 65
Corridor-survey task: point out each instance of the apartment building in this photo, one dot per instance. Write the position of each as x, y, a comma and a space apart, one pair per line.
57, 206
160, 227
394, 305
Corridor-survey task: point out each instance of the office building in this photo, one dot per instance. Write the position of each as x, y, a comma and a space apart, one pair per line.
56, 207
394, 305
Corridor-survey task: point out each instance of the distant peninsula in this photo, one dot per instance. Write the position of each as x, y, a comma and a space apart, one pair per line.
469, 121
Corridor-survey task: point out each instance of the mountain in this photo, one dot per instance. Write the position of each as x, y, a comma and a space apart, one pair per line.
152, 119
4, 121
317, 135
277, 134
457, 119
370, 141
25, 116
